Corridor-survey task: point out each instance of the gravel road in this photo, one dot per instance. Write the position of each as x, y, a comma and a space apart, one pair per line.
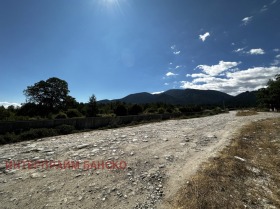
131, 167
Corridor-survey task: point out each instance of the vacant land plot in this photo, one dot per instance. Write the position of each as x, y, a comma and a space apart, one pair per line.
152, 161
245, 175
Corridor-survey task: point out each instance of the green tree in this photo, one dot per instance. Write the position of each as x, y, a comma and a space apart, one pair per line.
51, 94
135, 109
120, 110
270, 96
4, 113
92, 109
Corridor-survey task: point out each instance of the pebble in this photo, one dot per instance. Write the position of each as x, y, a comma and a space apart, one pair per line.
35, 175
82, 146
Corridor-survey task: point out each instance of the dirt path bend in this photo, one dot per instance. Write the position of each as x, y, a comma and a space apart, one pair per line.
157, 157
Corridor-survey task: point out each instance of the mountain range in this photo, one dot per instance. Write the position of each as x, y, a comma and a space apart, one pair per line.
191, 97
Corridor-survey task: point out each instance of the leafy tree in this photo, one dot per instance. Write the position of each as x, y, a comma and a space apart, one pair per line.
73, 113
71, 103
135, 109
4, 114
30, 109
92, 109
51, 94
270, 96
120, 110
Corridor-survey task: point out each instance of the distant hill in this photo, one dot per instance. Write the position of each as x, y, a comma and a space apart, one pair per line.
191, 96
245, 99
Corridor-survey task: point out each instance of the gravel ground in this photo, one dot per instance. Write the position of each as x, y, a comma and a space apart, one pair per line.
143, 166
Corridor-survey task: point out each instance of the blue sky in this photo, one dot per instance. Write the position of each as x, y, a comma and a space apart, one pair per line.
112, 48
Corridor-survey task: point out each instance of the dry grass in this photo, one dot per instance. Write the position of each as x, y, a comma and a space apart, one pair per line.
245, 175
246, 113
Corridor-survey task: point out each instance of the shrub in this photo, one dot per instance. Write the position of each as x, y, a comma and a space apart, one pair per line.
135, 110
8, 138
37, 133
73, 113
65, 129
120, 110
217, 110
151, 110
161, 110
61, 115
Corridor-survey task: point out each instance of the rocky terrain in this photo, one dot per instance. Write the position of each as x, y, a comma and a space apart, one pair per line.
150, 162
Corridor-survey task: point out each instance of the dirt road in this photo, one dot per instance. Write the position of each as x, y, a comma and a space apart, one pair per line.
146, 164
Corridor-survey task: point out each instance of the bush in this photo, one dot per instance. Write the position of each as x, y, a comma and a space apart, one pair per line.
218, 110
120, 110
65, 129
161, 110
151, 110
61, 115
135, 110
8, 138
73, 113
37, 133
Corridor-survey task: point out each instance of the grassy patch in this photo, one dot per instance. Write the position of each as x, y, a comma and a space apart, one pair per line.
245, 175
246, 113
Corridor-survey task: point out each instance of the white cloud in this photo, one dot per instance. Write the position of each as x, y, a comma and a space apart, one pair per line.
273, 2
170, 74
246, 20
166, 84
7, 104
239, 50
157, 92
204, 36
264, 8
256, 51
276, 61
217, 69
198, 75
176, 52
234, 82
276, 50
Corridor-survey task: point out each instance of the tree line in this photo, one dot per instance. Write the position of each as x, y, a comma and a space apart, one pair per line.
50, 99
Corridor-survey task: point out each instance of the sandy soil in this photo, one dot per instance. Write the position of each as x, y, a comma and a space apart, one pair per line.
151, 162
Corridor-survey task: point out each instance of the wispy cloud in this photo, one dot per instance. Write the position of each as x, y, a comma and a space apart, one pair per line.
214, 70
273, 2
174, 51
256, 51
204, 36
239, 50
157, 92
276, 50
247, 20
170, 74
7, 104
264, 8
177, 52
276, 61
